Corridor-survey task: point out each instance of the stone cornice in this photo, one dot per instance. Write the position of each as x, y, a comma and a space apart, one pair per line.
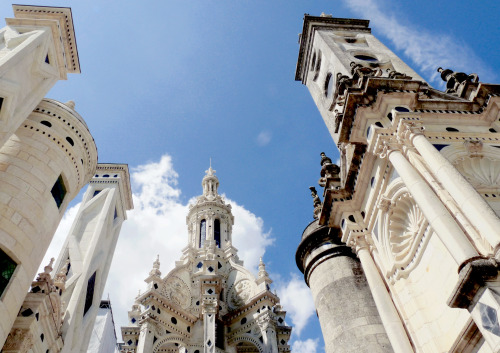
64, 18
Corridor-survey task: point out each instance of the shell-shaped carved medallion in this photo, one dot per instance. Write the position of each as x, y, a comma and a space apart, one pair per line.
481, 172
405, 231
177, 291
240, 293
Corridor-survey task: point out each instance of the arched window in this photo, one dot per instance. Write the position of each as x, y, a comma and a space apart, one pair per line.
203, 232
217, 232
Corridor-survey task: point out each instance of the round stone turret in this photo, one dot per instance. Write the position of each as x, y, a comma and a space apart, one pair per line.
210, 220
43, 166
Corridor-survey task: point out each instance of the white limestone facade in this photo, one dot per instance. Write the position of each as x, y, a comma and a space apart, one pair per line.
38, 325
209, 302
415, 197
46, 151
88, 251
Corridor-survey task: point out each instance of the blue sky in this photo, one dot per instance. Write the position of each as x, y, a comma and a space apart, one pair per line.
165, 85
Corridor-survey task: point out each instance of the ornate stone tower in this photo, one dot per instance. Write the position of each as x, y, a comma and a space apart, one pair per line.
416, 198
46, 151
209, 302
88, 250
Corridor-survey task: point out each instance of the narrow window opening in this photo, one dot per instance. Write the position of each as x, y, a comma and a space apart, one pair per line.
379, 124
46, 123
47, 59
203, 232
70, 141
452, 129
217, 232
58, 191
1, 102
7, 267
219, 334
96, 192
89, 297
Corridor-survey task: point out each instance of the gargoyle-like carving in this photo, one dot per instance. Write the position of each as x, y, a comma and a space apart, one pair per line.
330, 174
397, 75
474, 147
359, 71
455, 79
325, 159
343, 83
316, 201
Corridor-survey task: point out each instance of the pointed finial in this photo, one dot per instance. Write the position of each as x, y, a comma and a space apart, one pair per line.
70, 104
48, 269
262, 269
155, 271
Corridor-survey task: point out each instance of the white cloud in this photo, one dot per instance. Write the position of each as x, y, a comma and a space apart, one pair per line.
157, 225
297, 300
307, 346
264, 137
428, 50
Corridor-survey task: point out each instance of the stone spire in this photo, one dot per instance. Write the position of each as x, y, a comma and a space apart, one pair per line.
156, 267
210, 184
263, 276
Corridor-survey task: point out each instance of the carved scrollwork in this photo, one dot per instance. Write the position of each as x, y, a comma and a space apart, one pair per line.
407, 129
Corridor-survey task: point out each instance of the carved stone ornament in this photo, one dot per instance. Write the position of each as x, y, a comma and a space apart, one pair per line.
316, 202
359, 71
384, 147
481, 172
343, 83
455, 79
404, 233
240, 293
177, 291
407, 129
474, 147
397, 75
384, 204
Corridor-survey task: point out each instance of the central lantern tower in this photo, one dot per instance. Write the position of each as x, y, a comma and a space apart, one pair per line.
209, 302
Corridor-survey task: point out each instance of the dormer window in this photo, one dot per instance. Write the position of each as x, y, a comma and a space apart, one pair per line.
217, 232
203, 232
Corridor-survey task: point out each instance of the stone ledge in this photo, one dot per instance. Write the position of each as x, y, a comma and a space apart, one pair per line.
471, 279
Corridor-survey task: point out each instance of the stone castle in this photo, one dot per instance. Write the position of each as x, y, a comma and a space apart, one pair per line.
402, 254
209, 302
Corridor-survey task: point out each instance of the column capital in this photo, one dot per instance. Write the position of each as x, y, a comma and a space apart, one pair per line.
361, 242
407, 129
385, 145
384, 204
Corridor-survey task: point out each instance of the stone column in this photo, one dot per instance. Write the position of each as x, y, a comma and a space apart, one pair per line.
468, 199
209, 312
443, 223
146, 337
268, 334
386, 309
